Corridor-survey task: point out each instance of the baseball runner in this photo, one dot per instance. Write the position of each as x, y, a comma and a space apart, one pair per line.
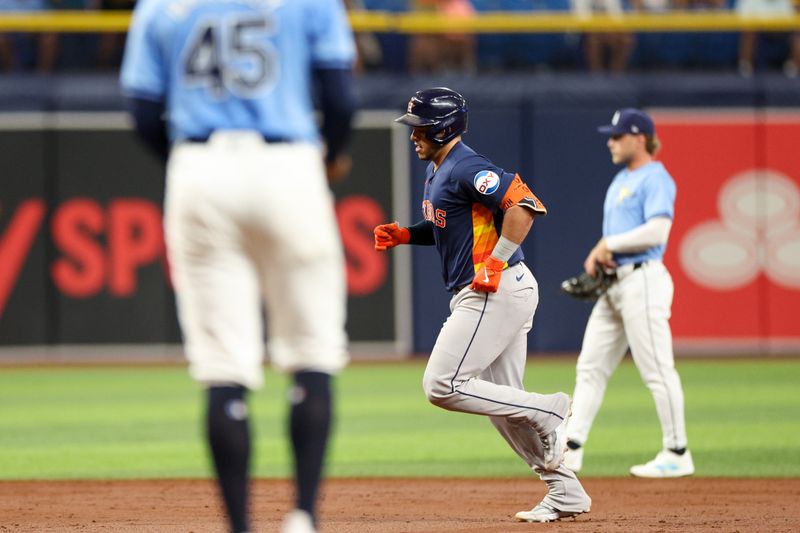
635, 310
248, 213
477, 214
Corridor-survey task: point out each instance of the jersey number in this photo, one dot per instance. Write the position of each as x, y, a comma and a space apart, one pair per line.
233, 55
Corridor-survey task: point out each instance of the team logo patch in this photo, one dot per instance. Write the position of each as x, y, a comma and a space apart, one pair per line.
486, 181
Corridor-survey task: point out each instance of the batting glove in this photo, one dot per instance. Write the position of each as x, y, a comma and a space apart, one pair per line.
488, 277
390, 235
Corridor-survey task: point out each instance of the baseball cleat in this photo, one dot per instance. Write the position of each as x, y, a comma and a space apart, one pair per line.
545, 513
573, 459
666, 464
298, 521
555, 444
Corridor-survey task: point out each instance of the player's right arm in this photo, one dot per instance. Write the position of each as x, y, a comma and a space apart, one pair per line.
390, 235
148, 119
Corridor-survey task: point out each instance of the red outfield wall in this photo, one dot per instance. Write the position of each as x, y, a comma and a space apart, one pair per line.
734, 250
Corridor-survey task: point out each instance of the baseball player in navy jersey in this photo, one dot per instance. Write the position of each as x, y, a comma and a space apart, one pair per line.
248, 212
477, 214
634, 312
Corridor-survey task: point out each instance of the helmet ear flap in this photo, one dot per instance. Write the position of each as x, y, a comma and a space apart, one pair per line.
448, 129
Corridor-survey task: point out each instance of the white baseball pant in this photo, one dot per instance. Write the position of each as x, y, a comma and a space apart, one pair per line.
633, 313
248, 222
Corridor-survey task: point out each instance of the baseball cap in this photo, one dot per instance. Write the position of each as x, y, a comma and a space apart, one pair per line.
629, 120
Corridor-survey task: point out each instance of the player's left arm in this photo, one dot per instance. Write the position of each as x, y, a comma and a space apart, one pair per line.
337, 102
517, 222
333, 55
521, 206
143, 76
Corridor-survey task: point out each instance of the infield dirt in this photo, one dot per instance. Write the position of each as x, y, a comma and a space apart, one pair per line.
406, 505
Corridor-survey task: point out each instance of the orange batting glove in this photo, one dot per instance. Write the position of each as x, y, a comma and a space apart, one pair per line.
390, 235
488, 277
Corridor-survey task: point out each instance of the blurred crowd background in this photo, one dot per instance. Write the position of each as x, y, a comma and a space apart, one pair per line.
747, 53
46, 52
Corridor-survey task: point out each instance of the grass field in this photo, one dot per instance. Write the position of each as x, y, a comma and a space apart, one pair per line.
77, 422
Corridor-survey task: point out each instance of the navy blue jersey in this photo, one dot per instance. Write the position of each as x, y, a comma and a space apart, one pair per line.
464, 202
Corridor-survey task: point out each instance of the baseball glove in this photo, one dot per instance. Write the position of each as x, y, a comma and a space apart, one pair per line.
585, 287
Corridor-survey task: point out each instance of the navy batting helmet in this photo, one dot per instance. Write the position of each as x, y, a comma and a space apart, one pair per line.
443, 111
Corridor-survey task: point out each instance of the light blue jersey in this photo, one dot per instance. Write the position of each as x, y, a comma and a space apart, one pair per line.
633, 198
235, 64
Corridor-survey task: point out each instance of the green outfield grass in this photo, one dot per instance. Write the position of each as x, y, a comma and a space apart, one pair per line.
138, 422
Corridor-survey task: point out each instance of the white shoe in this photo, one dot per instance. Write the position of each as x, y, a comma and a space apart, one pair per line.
666, 464
545, 513
573, 459
298, 521
555, 444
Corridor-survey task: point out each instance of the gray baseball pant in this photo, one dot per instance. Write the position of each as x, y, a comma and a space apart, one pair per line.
477, 366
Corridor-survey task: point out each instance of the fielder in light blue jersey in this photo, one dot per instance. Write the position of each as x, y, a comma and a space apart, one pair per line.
634, 197
634, 313
222, 90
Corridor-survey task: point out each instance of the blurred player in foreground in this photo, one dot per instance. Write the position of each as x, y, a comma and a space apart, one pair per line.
477, 214
248, 212
637, 218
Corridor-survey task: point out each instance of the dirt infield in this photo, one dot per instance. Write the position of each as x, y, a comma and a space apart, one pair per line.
406, 505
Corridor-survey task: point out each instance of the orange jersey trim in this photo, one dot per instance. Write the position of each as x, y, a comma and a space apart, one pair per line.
519, 193
484, 235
